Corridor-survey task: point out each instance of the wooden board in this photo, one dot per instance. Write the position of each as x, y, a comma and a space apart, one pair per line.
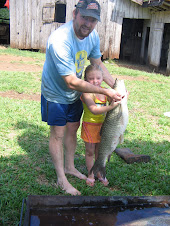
129, 157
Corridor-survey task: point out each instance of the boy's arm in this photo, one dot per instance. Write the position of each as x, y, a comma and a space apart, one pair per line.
86, 97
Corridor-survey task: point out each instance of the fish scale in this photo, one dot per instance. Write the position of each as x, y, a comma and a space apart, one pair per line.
112, 130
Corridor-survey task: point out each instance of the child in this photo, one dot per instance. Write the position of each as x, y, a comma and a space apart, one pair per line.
95, 107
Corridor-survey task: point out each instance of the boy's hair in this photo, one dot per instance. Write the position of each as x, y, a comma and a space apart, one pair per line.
92, 67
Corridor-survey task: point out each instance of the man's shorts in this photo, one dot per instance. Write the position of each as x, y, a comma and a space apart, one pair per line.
56, 114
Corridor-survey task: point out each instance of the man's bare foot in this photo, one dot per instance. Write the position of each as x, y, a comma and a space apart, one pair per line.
68, 188
75, 173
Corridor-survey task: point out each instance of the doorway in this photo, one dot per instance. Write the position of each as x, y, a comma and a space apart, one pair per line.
131, 40
165, 46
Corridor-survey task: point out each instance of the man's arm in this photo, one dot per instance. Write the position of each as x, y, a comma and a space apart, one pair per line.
106, 75
82, 86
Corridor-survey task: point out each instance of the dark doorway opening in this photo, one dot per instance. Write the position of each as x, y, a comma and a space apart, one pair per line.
60, 13
4, 24
2, 3
131, 40
165, 46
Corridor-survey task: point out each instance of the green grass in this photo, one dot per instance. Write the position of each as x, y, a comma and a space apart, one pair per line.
25, 164
20, 82
24, 53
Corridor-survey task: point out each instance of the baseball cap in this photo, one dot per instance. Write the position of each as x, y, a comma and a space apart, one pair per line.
89, 8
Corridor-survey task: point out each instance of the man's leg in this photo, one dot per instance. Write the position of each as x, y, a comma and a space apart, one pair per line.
70, 142
56, 151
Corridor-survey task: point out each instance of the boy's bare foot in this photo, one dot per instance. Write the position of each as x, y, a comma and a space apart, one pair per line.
90, 182
68, 188
75, 173
104, 181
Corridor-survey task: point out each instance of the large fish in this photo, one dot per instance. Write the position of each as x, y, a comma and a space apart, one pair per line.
112, 130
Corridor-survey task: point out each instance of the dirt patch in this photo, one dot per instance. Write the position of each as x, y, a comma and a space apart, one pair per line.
134, 66
21, 96
17, 63
139, 78
21, 64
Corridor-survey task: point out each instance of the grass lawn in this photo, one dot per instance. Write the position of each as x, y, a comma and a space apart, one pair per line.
25, 164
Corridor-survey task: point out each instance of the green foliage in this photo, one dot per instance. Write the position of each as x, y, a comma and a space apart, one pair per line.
26, 166
4, 15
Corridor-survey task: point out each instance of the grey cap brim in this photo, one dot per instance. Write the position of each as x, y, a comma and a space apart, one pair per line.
90, 12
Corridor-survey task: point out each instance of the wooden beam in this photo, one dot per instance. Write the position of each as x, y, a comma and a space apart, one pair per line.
153, 3
140, 2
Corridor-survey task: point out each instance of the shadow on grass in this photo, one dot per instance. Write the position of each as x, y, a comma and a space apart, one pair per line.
34, 141
146, 178
30, 171
34, 165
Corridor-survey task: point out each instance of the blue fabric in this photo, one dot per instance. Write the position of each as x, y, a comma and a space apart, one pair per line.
65, 55
56, 114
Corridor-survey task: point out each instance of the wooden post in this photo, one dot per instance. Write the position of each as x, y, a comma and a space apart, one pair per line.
156, 44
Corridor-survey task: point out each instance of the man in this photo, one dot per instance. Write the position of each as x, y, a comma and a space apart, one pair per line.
67, 51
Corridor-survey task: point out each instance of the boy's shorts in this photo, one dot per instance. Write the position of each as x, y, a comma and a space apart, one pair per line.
56, 114
90, 132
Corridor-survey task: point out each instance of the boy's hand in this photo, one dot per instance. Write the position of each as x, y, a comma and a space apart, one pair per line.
115, 103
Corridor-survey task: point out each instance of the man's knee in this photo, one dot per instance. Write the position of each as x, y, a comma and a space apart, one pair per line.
57, 132
73, 127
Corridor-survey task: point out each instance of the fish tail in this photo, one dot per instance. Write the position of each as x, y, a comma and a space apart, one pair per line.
98, 168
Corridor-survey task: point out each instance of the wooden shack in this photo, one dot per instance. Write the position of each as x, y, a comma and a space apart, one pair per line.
134, 30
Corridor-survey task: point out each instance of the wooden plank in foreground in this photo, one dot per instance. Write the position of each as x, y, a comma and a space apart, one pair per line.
129, 157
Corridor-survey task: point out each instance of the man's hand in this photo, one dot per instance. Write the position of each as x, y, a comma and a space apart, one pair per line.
114, 95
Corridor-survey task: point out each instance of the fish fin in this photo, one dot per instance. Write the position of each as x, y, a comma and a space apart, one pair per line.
121, 139
109, 157
115, 84
98, 168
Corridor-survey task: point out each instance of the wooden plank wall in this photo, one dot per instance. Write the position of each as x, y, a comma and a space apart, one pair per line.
29, 32
69, 10
110, 29
27, 28
156, 35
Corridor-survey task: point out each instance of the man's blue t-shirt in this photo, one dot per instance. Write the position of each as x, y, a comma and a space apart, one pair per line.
65, 55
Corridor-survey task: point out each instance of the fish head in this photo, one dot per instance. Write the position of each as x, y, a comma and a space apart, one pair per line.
119, 86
